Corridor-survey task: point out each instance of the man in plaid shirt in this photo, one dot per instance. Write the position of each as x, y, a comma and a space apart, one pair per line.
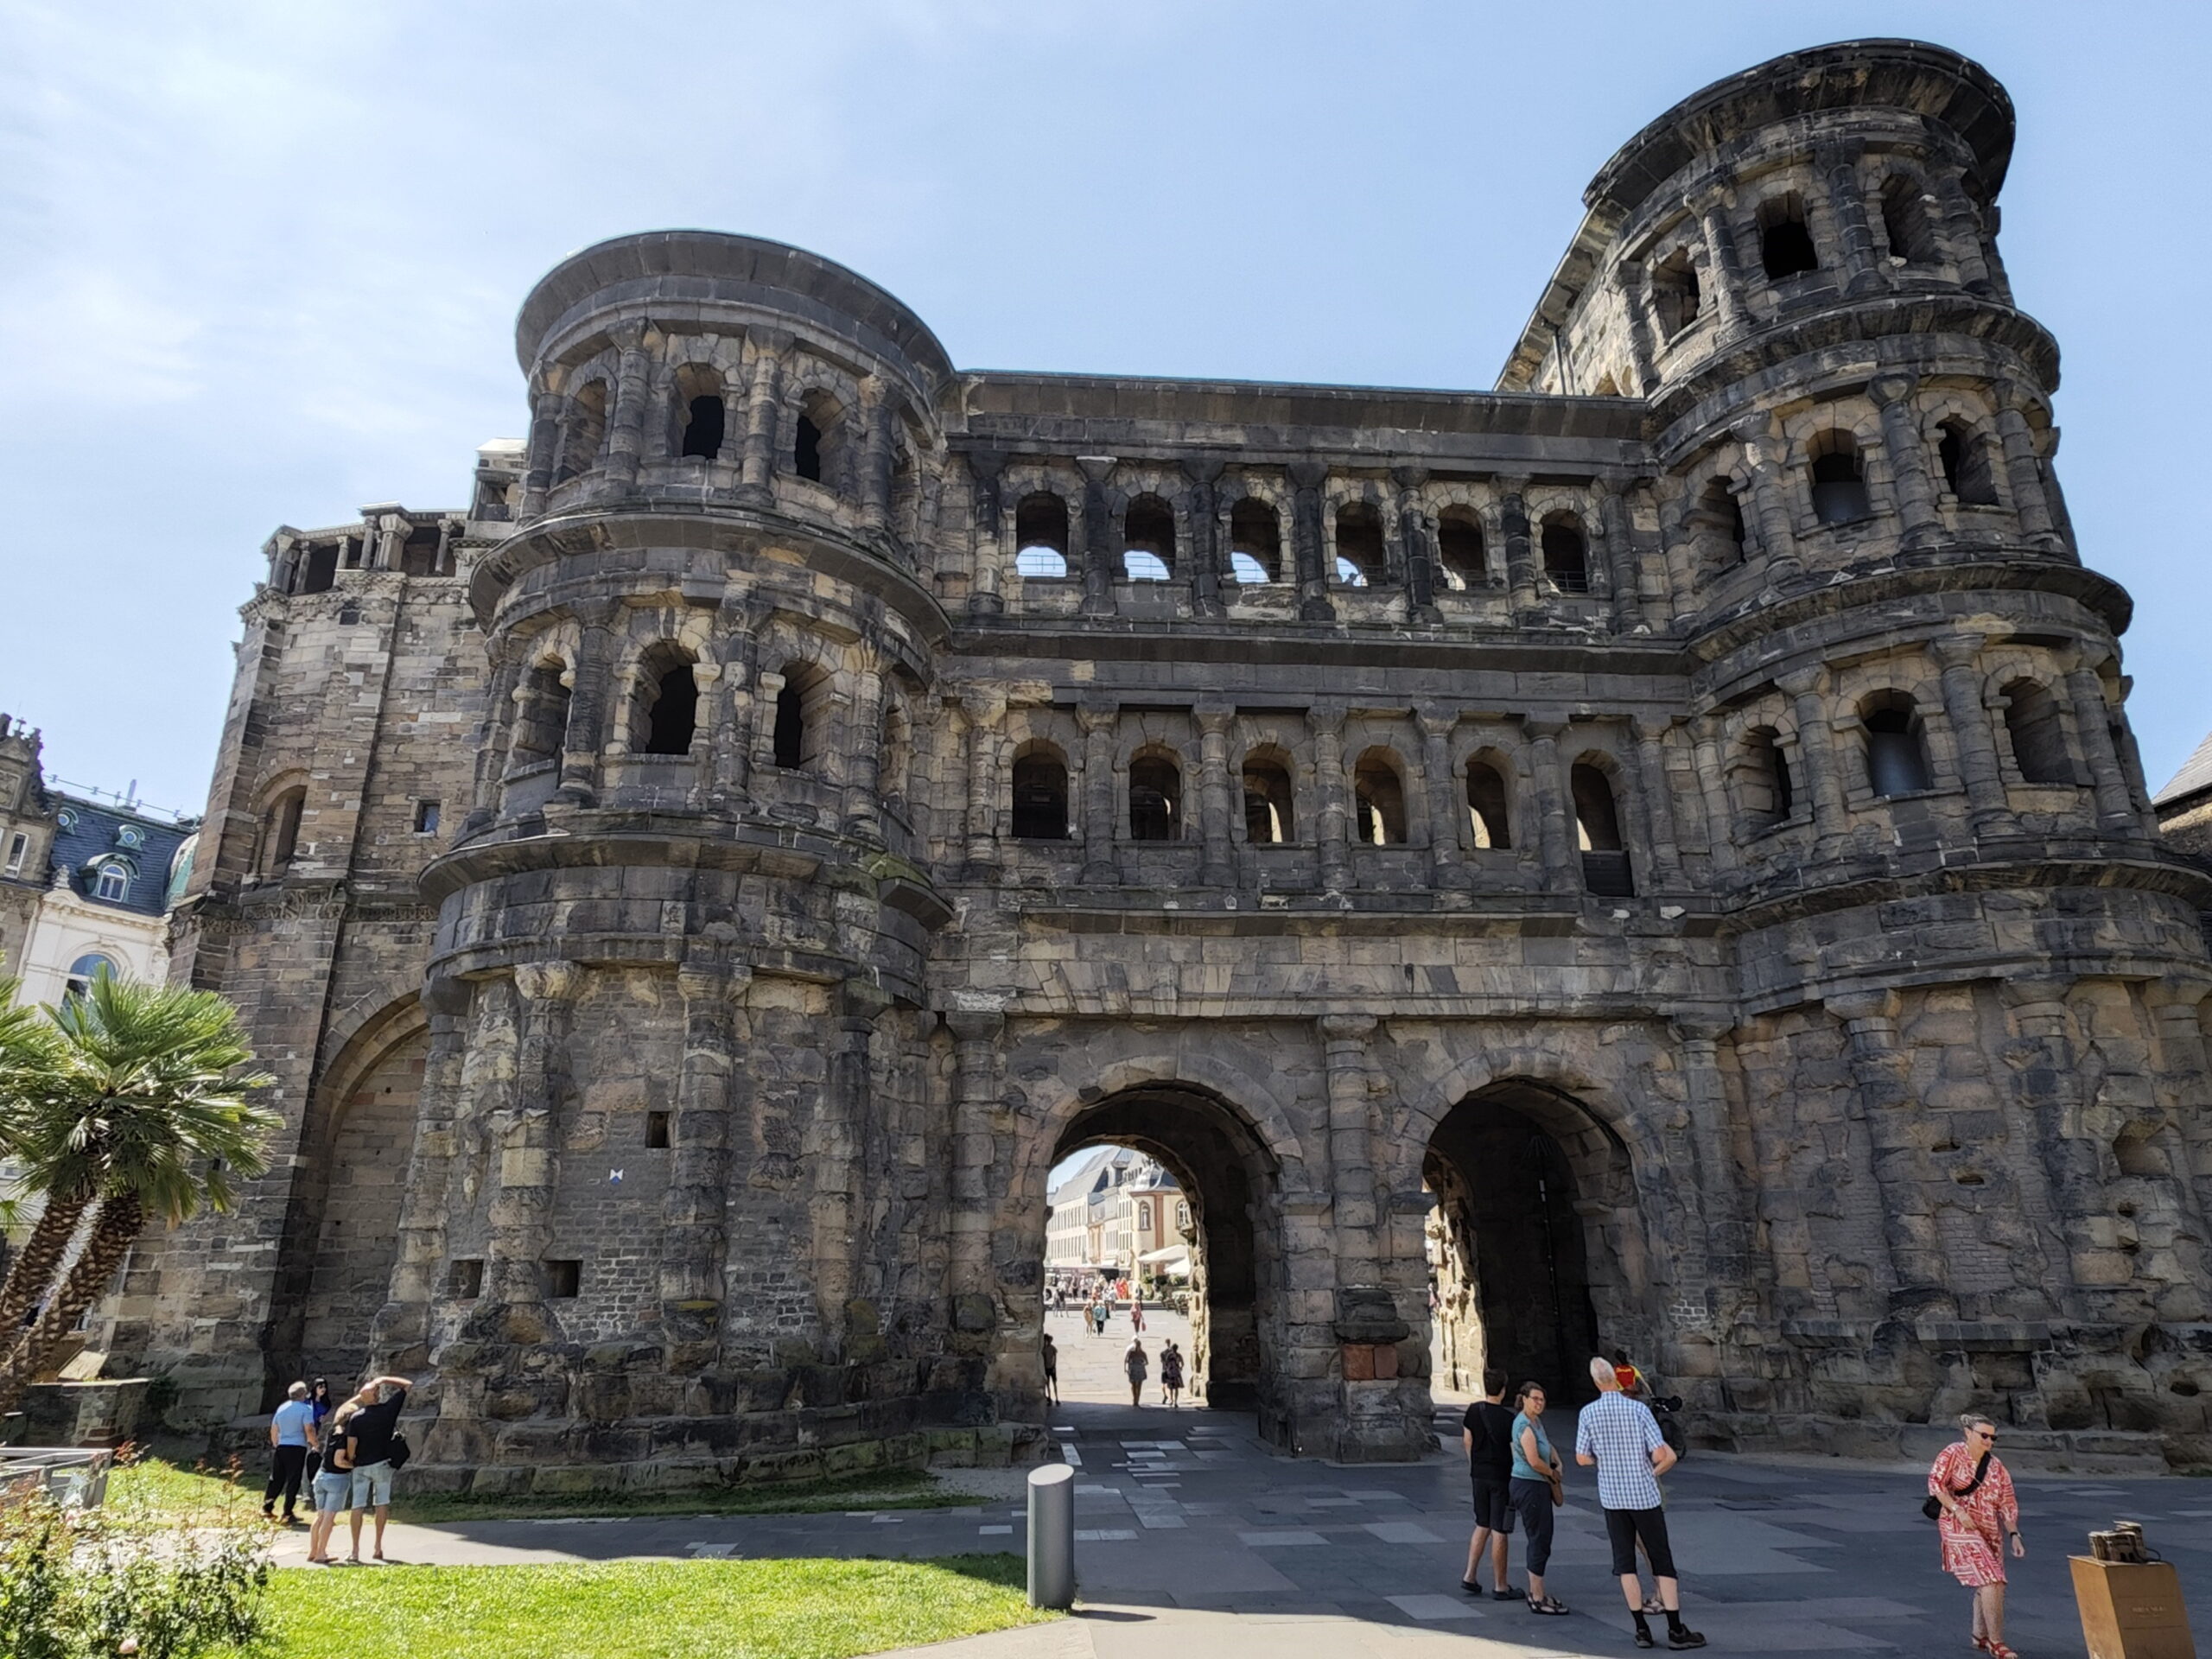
1621, 1437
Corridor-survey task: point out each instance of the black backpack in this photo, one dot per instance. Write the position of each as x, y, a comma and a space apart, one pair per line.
400, 1451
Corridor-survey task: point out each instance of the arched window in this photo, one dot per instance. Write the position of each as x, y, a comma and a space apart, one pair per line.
1904, 216
1040, 795
1040, 536
817, 440
1486, 805
703, 427
1566, 553
798, 704
1717, 522
1839, 481
113, 882
84, 971
1360, 559
2038, 736
319, 570
1255, 542
280, 830
1378, 799
1460, 553
1768, 795
1967, 472
1149, 540
583, 432
1896, 748
1675, 292
1597, 832
1785, 240
1155, 798
668, 707
1268, 819
540, 716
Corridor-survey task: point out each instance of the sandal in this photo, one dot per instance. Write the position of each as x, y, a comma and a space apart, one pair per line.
1511, 1593
1999, 1650
1554, 1606
1651, 1605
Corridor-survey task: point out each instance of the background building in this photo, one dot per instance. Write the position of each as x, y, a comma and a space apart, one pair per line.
1113, 1209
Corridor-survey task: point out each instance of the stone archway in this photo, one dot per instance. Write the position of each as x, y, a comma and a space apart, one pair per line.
1535, 1229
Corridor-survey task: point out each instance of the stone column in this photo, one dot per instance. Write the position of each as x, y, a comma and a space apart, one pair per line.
586, 738
1351, 1166
402, 1330
626, 427
976, 1033
1710, 208
1100, 718
880, 420
864, 744
2176, 1009
1217, 865
1987, 808
1554, 817
1713, 794
1520, 551
764, 404
1881, 1099
693, 1243
526, 1136
1962, 229
1205, 515
2023, 470
1765, 453
1726, 1240
987, 511
1315, 604
832, 1149
1419, 545
2093, 715
982, 707
1332, 812
1666, 860
1838, 167
1907, 453
1620, 559
1101, 537
1635, 284
729, 760
495, 738
1807, 690
2047, 1063
1446, 797
538, 467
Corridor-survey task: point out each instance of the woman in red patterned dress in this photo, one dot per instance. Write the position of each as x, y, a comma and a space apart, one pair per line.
1975, 1526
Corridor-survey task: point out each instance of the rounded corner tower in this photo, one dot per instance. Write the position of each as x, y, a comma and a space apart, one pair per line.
1651, 856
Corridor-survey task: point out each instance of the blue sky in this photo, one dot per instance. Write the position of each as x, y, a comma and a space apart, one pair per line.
263, 260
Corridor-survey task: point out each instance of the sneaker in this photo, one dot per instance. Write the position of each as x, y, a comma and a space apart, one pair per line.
1644, 1639
1511, 1593
1685, 1637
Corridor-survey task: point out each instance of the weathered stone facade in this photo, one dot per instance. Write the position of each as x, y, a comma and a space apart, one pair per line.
1690, 842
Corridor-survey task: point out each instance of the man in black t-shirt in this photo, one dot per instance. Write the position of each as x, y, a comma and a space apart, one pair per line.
368, 1451
1487, 1433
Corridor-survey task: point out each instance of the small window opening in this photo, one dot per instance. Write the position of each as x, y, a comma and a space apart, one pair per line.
1905, 218
1155, 799
818, 440
426, 818
465, 1279
1719, 524
806, 452
282, 830
1040, 796
792, 725
114, 883
1896, 748
1769, 795
673, 715
1149, 540
322, 571
585, 432
1597, 832
1460, 557
348, 615
1268, 819
1967, 472
84, 971
1486, 806
1785, 242
563, 1280
1361, 562
2038, 736
1255, 542
1378, 800
1839, 495
19, 846
1040, 536
1567, 553
703, 430
1675, 292
418, 554
656, 1131
542, 726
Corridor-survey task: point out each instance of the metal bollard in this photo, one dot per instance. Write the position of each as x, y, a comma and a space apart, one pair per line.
1051, 1536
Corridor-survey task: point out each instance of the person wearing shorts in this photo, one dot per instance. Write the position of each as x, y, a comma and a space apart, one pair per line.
1487, 1433
368, 1448
332, 1492
1621, 1438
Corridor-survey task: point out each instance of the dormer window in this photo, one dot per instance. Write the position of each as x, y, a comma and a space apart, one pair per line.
130, 836
112, 883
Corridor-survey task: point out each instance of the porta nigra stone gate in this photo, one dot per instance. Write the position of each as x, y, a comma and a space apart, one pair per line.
1660, 839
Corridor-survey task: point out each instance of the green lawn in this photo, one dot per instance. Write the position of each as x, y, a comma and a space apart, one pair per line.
643, 1610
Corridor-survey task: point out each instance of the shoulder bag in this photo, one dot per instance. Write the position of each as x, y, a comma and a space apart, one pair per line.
1932, 1506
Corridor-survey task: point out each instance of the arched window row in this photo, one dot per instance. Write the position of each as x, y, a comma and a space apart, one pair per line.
314, 564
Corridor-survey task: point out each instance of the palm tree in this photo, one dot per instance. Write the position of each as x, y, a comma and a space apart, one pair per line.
147, 1115
30, 1064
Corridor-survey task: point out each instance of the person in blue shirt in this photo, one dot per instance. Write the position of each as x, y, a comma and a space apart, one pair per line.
291, 1436
1536, 1488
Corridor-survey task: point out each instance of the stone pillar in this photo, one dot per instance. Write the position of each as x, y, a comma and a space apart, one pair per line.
1205, 515
526, 1138
2093, 715
1726, 1240
729, 757
2023, 470
1807, 690
1351, 1167
2176, 1009
832, 1150
586, 738
879, 447
982, 708
1520, 551
693, 1243
1315, 604
1765, 453
1635, 284
1881, 1099
1988, 810
764, 405
1101, 537
1554, 816
769, 684
1907, 453
1719, 841
1217, 866
1419, 545
984, 467
1332, 812
626, 426
2047, 1063
864, 744
401, 1333
1666, 859
495, 738
1710, 208
1620, 559
1962, 229
544, 439
1839, 168
976, 1033
1446, 797
1100, 718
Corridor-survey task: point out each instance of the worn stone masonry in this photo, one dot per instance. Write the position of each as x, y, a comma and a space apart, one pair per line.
1661, 836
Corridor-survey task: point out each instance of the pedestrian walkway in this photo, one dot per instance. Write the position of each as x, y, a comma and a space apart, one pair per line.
1190, 1527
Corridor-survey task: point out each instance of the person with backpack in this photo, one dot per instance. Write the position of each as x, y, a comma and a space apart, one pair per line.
375, 1451
1487, 1433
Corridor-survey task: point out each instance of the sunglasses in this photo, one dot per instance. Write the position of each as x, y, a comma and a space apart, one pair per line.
1989, 1434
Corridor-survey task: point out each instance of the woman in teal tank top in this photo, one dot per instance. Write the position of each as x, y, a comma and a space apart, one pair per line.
1536, 1474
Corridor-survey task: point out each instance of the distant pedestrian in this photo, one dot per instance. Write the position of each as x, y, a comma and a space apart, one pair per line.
1631, 1379
1981, 1516
1487, 1433
1135, 1365
1171, 1373
291, 1436
1621, 1438
333, 1486
369, 1436
1051, 1370
1100, 1312
1136, 1315
1538, 1488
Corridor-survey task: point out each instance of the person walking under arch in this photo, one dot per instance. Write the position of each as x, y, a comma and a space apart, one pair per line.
1136, 1365
1621, 1437
1171, 1373
1538, 1488
1052, 1355
1486, 1431
1979, 1517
